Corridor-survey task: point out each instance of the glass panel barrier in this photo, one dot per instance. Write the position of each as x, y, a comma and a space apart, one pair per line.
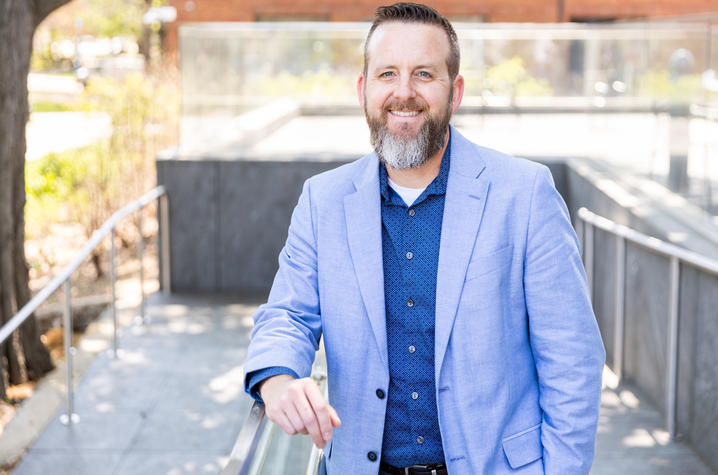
633, 94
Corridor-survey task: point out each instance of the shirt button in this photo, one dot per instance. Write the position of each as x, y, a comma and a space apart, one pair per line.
409, 255
371, 456
415, 395
410, 303
411, 349
412, 212
420, 440
380, 394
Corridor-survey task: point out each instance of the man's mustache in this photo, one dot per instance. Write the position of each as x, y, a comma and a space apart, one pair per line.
410, 105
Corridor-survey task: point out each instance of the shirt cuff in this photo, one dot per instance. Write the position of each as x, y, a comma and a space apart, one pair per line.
256, 377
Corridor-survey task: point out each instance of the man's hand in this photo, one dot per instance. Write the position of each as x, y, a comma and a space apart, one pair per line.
298, 407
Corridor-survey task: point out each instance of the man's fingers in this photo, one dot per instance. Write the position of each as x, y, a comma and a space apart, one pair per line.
282, 421
321, 410
336, 422
294, 418
299, 407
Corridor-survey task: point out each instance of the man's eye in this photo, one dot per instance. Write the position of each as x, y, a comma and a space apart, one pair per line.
424, 75
387, 74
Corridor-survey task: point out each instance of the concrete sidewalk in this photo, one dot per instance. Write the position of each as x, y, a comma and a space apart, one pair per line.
172, 403
632, 439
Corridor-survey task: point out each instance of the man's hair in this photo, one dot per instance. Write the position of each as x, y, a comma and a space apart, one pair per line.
407, 12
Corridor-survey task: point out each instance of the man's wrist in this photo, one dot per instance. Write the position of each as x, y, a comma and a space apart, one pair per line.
272, 380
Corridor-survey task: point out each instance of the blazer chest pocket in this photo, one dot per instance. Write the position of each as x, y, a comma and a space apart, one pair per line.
524, 447
490, 262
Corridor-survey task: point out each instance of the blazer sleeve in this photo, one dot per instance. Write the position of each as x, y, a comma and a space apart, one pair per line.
564, 335
288, 327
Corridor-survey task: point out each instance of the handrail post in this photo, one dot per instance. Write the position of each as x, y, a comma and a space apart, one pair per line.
672, 384
619, 335
141, 250
588, 232
165, 242
108, 227
113, 279
70, 417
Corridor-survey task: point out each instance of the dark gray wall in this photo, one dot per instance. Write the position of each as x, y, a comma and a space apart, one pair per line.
697, 401
229, 219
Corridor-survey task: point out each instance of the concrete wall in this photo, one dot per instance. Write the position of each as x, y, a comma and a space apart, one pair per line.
229, 219
697, 402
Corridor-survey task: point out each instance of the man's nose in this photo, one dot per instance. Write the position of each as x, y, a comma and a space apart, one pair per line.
404, 89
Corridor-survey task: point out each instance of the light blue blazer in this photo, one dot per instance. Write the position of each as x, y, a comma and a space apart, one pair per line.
518, 353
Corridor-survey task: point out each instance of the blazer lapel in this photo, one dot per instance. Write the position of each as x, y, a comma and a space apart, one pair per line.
466, 192
363, 217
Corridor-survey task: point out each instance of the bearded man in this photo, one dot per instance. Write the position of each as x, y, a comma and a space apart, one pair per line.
447, 283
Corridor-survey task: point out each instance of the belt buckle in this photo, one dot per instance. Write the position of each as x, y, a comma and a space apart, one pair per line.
422, 467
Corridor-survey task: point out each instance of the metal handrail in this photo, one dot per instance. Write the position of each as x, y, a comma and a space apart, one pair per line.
247, 443
649, 242
64, 278
677, 255
252, 445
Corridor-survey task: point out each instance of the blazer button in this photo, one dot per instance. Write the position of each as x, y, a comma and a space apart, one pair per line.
380, 394
371, 456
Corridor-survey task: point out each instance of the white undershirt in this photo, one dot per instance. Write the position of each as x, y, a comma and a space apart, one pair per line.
409, 195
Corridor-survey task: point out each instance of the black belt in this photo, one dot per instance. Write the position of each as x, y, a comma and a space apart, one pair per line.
432, 468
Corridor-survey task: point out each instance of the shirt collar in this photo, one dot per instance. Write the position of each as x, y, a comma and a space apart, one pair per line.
436, 187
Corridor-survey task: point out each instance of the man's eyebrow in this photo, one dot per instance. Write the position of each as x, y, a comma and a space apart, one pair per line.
384, 66
392, 66
426, 66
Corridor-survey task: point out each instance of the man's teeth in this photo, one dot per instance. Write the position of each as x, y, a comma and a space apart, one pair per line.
405, 113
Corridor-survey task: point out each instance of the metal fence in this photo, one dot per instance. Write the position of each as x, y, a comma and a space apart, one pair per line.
678, 257
64, 279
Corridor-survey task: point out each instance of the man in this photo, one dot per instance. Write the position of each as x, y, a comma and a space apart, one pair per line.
446, 281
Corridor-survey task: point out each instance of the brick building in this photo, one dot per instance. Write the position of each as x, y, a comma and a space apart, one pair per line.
456, 10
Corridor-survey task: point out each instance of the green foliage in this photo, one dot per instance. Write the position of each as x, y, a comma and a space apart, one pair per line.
108, 18
86, 185
98, 18
70, 186
511, 78
44, 106
659, 84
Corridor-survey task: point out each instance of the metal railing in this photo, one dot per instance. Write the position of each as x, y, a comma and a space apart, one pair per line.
253, 443
64, 278
677, 256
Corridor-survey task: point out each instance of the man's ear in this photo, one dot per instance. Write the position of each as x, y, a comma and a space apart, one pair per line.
458, 94
360, 90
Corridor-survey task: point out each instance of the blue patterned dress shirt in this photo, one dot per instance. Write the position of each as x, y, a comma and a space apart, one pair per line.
410, 242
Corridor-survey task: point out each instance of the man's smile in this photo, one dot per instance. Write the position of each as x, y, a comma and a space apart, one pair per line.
404, 113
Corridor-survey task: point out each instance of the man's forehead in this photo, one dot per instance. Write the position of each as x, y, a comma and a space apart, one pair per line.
397, 30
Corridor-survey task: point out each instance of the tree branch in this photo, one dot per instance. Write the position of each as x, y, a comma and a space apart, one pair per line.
44, 7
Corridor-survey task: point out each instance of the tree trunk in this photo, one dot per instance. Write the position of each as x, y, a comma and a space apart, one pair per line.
22, 356
146, 36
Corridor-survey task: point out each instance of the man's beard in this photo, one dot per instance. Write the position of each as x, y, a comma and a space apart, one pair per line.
402, 150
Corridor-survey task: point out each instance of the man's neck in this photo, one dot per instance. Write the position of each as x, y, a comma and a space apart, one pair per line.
422, 176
